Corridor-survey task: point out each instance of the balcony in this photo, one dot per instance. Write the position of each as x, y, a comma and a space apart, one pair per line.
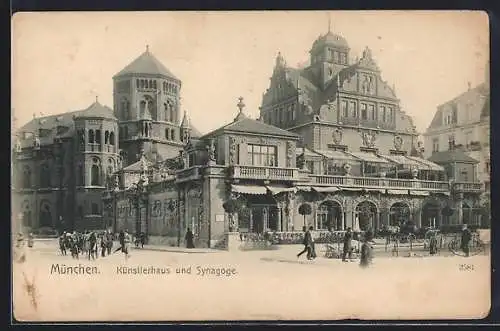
266, 173
378, 183
467, 187
188, 174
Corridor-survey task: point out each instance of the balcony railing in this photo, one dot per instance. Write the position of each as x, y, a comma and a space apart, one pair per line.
375, 182
260, 172
467, 187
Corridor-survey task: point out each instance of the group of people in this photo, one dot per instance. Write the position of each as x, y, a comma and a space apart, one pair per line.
93, 243
366, 253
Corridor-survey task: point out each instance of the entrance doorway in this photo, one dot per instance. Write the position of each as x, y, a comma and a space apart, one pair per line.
430, 215
399, 213
329, 216
366, 213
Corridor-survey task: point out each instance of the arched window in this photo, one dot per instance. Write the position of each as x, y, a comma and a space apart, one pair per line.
106, 137
172, 134
142, 107
44, 176
166, 134
112, 138
137, 83
95, 173
125, 132
154, 84
121, 132
91, 136
97, 136
26, 212
166, 111
27, 177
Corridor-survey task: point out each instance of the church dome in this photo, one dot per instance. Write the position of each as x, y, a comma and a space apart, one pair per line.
332, 40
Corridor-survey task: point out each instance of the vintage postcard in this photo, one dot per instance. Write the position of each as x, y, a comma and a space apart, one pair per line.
189, 166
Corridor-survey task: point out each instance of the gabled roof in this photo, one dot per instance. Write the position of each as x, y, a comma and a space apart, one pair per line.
244, 124
146, 63
451, 156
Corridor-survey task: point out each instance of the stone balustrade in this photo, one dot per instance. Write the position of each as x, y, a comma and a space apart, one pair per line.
267, 173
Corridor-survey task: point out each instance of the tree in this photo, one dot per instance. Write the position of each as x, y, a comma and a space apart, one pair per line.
305, 209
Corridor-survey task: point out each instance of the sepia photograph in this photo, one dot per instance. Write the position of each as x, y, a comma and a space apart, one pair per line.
250, 166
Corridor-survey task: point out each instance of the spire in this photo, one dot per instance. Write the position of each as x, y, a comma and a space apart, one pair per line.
329, 23
96, 99
147, 48
240, 106
185, 121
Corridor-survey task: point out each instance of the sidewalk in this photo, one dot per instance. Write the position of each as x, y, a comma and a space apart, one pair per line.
163, 248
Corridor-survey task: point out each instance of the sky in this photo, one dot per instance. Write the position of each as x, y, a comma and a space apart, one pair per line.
62, 61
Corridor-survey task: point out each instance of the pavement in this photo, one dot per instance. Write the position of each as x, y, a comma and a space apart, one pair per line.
250, 285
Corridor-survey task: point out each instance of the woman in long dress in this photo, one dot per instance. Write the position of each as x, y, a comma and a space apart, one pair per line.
366, 251
126, 245
189, 239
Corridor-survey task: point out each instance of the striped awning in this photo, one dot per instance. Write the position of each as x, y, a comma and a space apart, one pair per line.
304, 188
307, 152
277, 190
368, 157
326, 189
249, 189
429, 164
336, 155
405, 161
398, 192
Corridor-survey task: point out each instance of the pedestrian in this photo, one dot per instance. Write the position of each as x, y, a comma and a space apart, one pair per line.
92, 246
347, 250
466, 237
62, 243
121, 238
433, 244
366, 251
189, 239
311, 254
109, 241
143, 239
20, 240
305, 243
103, 245
30, 240
126, 244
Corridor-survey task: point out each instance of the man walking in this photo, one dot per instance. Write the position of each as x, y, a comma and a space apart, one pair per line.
305, 243
347, 245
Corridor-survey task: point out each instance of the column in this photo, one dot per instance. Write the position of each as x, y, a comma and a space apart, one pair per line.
460, 208
342, 220
250, 226
279, 220
349, 219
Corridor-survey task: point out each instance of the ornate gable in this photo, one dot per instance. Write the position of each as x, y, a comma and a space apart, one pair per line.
367, 62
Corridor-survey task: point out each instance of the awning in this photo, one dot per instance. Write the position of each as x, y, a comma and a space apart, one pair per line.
249, 189
399, 192
304, 188
336, 155
420, 193
430, 165
329, 189
374, 190
403, 160
368, 157
352, 189
307, 152
277, 190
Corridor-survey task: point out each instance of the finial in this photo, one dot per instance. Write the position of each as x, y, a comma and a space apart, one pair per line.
147, 48
240, 104
468, 85
329, 23
96, 99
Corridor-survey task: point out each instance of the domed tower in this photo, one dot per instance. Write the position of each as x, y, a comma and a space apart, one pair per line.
329, 54
147, 103
96, 157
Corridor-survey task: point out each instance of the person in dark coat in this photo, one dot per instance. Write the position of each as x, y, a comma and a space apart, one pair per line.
347, 245
121, 240
433, 244
304, 242
366, 251
189, 239
466, 238
311, 254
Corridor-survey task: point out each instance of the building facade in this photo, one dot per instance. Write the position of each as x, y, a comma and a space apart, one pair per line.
331, 136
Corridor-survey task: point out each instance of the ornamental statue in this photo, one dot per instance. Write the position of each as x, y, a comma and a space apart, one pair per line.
347, 169
368, 138
211, 151
337, 136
